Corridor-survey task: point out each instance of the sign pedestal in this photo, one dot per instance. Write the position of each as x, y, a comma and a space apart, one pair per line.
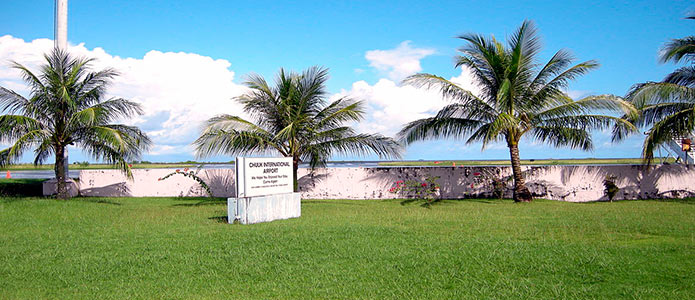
264, 191
250, 210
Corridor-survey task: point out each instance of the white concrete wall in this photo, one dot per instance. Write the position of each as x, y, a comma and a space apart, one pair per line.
146, 183
568, 183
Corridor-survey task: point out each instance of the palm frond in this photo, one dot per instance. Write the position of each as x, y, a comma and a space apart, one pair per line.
23, 143
13, 127
562, 136
451, 91
684, 76
605, 103
556, 65
651, 93
434, 128
678, 50
676, 125
555, 85
360, 145
339, 111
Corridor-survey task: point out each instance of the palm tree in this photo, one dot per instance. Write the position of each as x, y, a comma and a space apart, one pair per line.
66, 106
667, 106
517, 99
293, 119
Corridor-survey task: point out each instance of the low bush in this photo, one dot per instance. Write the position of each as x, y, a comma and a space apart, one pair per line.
21, 187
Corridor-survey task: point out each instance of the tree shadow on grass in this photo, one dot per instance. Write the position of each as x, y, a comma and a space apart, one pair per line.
95, 200
688, 200
202, 202
220, 219
75, 199
334, 201
480, 200
12, 199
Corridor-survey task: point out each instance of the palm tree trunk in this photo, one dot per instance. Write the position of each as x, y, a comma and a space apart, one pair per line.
521, 192
61, 188
295, 166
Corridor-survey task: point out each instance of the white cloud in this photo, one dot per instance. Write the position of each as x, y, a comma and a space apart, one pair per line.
399, 62
577, 94
390, 106
178, 91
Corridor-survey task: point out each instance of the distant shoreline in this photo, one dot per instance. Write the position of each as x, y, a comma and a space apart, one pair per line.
409, 163
542, 162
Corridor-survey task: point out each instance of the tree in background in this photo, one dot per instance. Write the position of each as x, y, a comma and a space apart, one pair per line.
294, 119
667, 107
66, 106
518, 97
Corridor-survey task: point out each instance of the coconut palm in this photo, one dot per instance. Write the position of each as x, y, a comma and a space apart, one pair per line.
294, 119
66, 106
667, 106
517, 98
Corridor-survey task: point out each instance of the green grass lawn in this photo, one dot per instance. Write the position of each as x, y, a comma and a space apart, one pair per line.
172, 248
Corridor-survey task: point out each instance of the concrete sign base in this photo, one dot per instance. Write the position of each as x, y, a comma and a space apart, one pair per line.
250, 210
50, 187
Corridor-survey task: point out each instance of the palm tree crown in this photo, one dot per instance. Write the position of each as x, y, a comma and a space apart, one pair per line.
294, 119
667, 106
66, 106
518, 98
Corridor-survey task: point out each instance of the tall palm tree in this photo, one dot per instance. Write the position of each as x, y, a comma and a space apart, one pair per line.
66, 106
667, 106
294, 119
518, 98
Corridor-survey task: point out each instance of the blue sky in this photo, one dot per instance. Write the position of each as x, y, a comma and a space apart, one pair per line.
203, 45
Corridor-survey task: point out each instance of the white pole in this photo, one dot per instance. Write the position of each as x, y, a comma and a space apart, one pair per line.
61, 42
61, 24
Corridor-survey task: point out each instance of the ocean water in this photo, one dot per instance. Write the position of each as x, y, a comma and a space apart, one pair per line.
38, 174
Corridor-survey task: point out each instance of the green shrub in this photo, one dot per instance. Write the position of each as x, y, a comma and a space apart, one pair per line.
21, 187
416, 190
193, 175
611, 188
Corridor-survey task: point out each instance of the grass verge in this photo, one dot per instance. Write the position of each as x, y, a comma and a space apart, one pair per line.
181, 248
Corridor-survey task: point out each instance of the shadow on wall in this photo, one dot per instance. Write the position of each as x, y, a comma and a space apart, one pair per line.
309, 181
634, 181
568, 183
119, 189
220, 181
454, 182
385, 179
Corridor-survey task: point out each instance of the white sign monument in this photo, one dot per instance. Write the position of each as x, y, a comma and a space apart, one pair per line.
264, 191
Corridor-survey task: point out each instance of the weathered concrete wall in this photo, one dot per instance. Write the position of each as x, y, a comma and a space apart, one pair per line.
568, 183
264, 208
147, 183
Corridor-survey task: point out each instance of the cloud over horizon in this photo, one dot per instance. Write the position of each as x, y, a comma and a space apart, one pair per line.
399, 62
178, 91
390, 105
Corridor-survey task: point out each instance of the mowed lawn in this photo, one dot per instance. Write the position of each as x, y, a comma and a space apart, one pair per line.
99, 248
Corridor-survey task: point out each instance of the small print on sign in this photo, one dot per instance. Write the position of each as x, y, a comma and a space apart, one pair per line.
264, 176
